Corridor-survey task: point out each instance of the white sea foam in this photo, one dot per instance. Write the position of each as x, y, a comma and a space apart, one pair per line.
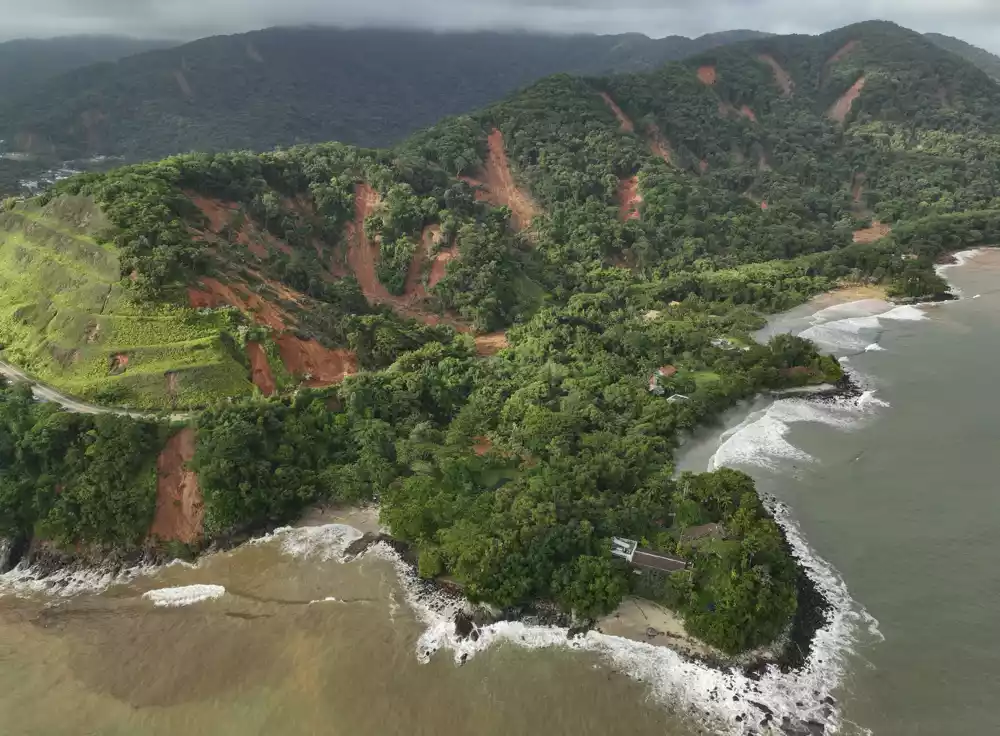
186, 595
761, 440
874, 348
24, 581
905, 313
724, 700
960, 259
326, 542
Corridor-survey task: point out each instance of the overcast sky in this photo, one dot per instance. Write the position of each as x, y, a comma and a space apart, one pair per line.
976, 21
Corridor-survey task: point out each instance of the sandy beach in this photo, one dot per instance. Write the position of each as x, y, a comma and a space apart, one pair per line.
641, 620
848, 293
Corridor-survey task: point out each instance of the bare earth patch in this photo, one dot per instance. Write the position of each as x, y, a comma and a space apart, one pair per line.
842, 107
629, 198
707, 75
440, 266
179, 505
497, 185
877, 231
844, 51
261, 369
658, 144
782, 77
219, 213
746, 112
627, 126
318, 365
214, 294
491, 344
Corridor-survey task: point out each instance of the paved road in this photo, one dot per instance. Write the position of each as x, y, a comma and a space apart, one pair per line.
48, 394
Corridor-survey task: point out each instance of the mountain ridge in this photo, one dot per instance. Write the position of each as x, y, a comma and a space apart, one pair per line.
503, 327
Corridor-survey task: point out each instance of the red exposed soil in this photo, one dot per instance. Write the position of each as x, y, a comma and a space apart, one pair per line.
703, 166
414, 289
440, 267
482, 445
179, 505
844, 51
658, 144
497, 185
782, 77
629, 199
707, 75
877, 231
492, 344
627, 126
261, 369
119, 363
843, 106
362, 254
219, 213
764, 205
746, 112
319, 365
216, 294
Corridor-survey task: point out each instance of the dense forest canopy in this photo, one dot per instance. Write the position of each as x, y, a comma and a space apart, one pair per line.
282, 86
502, 328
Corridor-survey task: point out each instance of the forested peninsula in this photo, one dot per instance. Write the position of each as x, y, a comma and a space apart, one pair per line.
499, 330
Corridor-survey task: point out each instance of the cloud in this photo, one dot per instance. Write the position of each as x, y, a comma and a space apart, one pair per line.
973, 20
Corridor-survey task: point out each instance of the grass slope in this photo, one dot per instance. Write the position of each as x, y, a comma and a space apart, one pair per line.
64, 317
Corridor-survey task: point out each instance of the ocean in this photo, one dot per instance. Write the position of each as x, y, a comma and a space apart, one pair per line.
889, 499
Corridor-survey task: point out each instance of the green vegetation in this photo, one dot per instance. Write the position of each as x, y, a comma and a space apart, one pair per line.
65, 317
281, 86
510, 474
74, 479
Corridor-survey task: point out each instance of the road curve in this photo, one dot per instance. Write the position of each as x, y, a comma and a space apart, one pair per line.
45, 393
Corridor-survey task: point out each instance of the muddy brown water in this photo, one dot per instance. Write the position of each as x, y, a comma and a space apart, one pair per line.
263, 659
903, 503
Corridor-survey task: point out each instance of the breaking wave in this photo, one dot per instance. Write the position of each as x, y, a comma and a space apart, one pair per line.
727, 701
24, 581
325, 543
186, 595
760, 440
856, 327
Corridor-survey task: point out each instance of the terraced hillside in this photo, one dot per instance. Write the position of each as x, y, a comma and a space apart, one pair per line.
502, 328
67, 317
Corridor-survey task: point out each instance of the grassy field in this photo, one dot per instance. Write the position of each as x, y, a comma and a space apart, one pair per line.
66, 319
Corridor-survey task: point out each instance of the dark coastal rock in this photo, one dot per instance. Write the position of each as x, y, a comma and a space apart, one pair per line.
464, 627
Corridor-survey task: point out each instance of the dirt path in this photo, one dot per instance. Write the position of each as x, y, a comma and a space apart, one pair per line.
842, 107
627, 125
497, 185
782, 77
43, 392
261, 369
629, 199
179, 505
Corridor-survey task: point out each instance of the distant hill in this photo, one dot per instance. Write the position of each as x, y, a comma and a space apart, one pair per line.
989, 63
26, 63
612, 236
284, 86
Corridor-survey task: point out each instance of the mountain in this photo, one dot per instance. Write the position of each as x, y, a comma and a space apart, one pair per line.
27, 63
284, 86
989, 63
502, 328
